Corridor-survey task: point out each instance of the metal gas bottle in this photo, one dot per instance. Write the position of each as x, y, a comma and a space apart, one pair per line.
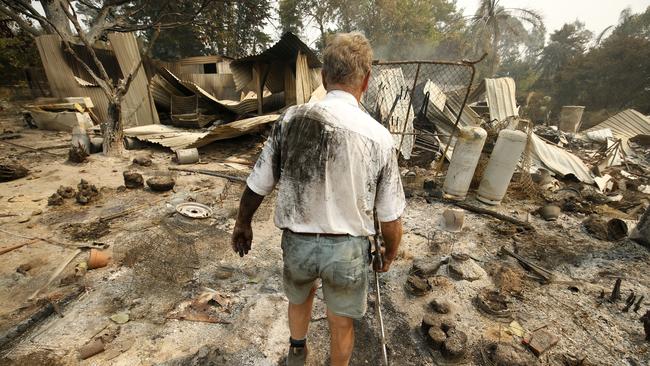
501, 166
80, 138
467, 151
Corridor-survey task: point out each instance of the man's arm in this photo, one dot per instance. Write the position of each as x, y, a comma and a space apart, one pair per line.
392, 233
242, 234
259, 184
390, 204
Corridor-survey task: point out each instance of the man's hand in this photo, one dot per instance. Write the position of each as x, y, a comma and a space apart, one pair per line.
385, 262
242, 238
392, 234
242, 234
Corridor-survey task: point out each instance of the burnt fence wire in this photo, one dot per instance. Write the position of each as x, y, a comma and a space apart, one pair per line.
420, 102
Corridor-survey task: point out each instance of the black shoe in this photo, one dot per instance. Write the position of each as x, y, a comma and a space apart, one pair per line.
297, 356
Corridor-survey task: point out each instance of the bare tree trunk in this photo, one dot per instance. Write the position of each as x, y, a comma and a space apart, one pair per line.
494, 62
323, 35
112, 130
56, 15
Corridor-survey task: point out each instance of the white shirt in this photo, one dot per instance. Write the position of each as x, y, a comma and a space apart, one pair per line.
334, 165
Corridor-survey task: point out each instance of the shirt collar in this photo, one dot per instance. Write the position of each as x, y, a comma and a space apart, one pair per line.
343, 96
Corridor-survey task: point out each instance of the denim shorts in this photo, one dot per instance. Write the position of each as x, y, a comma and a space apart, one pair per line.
341, 262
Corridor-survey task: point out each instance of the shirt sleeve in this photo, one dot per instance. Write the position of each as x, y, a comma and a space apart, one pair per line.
390, 201
266, 172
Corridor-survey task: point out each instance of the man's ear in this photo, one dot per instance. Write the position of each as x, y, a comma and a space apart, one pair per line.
322, 75
366, 80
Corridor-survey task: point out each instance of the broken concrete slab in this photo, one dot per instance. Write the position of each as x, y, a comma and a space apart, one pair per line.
541, 341
461, 266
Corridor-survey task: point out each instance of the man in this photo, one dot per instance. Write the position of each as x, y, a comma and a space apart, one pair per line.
335, 165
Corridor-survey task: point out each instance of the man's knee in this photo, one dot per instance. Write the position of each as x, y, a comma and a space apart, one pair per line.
339, 322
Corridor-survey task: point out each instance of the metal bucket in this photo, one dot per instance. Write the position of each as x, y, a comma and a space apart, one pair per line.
187, 156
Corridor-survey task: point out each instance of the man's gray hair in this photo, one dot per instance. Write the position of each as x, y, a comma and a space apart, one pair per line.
347, 59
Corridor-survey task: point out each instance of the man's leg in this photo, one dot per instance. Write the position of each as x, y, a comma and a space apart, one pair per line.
300, 316
341, 338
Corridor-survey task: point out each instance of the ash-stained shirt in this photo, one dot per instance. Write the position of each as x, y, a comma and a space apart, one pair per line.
333, 164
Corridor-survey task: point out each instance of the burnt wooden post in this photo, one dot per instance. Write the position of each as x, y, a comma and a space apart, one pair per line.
259, 87
261, 73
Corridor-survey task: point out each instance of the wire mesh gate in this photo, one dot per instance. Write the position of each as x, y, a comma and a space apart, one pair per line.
422, 103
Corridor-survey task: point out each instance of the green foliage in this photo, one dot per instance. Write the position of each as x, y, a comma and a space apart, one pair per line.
227, 27
565, 45
500, 31
289, 13
613, 75
397, 29
236, 28
179, 42
17, 52
408, 29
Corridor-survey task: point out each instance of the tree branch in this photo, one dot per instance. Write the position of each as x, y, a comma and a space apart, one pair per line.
89, 4
72, 15
24, 25
24, 8
158, 22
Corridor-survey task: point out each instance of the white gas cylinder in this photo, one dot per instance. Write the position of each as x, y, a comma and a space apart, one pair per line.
503, 161
467, 151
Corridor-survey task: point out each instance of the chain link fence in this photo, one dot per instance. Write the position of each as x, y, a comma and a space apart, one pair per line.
422, 103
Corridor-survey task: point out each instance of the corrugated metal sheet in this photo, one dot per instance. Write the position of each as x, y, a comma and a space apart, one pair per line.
221, 86
286, 48
204, 59
138, 102
180, 138
626, 124
63, 82
394, 106
501, 98
558, 160
248, 104
303, 80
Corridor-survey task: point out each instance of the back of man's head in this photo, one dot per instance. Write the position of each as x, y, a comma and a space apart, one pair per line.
347, 59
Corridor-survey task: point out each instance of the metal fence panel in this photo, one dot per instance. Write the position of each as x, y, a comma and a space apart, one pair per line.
422, 103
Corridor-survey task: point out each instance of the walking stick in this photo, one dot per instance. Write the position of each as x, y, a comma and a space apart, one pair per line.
377, 264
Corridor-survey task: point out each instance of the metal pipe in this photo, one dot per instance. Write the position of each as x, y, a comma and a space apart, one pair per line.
457, 63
